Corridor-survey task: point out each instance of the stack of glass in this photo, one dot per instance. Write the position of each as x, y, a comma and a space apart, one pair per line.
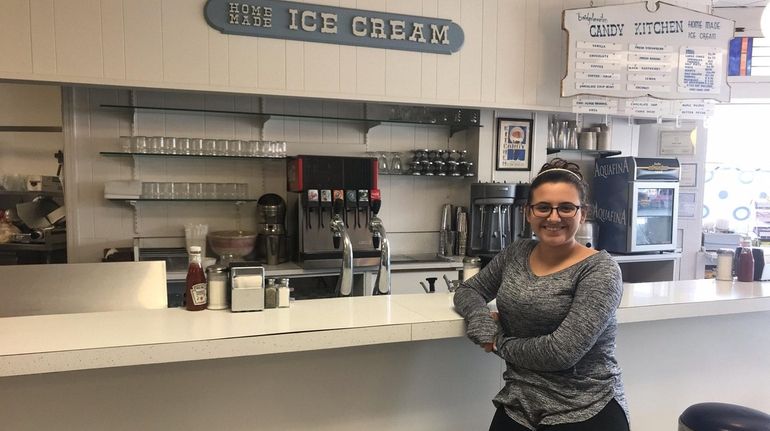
202, 147
188, 190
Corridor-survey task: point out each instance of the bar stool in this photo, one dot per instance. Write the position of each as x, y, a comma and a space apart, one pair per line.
723, 417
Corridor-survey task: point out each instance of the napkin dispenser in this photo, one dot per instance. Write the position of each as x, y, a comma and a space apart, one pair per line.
247, 288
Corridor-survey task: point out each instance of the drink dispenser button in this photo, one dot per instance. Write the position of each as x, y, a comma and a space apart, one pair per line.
311, 202
351, 204
363, 205
326, 202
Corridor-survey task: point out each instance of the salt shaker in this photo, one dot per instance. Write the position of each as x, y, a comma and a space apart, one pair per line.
725, 264
283, 293
217, 287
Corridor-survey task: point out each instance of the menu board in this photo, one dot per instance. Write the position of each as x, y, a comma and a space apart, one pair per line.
644, 107
629, 51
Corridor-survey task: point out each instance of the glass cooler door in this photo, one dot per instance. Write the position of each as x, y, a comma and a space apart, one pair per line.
654, 216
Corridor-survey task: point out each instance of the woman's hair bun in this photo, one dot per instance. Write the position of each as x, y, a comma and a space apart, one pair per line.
558, 163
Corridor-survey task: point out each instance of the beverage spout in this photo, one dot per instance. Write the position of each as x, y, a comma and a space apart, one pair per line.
380, 240
340, 234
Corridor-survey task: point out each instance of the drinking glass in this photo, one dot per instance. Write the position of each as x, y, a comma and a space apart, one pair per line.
166, 190
241, 190
125, 144
196, 190
196, 146
183, 146
150, 190
139, 144
169, 145
155, 145
181, 191
382, 163
395, 163
209, 191
209, 147
234, 147
221, 147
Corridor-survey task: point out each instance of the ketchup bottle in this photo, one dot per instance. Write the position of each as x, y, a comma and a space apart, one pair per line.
745, 270
195, 294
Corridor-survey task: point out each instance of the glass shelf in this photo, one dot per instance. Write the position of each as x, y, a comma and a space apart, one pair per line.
594, 153
454, 127
407, 174
207, 156
181, 200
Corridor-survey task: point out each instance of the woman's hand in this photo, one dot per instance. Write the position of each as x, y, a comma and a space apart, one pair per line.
490, 347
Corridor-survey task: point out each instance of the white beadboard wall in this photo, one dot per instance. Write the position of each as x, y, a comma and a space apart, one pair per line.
512, 57
411, 206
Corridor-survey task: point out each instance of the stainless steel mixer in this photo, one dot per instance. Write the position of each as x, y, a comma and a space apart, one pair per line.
271, 230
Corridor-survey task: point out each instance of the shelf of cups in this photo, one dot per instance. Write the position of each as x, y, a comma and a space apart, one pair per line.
147, 199
208, 156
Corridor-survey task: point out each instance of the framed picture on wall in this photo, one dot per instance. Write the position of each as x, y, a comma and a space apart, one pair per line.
514, 144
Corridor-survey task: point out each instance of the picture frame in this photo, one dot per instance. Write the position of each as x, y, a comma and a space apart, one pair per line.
513, 148
688, 174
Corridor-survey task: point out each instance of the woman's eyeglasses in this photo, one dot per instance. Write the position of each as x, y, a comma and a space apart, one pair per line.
564, 210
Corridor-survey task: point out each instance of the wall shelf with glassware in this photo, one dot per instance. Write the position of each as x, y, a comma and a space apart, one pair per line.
232, 200
408, 174
592, 153
209, 156
367, 123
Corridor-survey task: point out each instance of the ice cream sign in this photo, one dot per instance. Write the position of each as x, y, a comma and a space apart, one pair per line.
635, 50
328, 24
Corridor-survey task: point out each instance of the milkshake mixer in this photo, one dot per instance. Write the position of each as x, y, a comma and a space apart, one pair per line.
497, 217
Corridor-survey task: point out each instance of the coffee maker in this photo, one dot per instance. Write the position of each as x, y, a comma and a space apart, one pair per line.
324, 186
271, 230
498, 217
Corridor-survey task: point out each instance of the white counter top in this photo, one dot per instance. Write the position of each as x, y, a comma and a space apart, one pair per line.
51, 343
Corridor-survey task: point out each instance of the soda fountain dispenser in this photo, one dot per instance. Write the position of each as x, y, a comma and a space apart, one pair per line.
319, 182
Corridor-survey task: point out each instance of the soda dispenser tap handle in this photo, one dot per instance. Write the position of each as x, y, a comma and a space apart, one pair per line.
376, 240
376, 204
336, 240
339, 207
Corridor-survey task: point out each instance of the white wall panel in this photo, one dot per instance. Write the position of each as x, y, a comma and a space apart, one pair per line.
43, 37
15, 38
271, 63
295, 66
533, 52
218, 59
78, 35
243, 54
144, 40
448, 66
184, 59
113, 39
471, 54
511, 37
488, 76
550, 70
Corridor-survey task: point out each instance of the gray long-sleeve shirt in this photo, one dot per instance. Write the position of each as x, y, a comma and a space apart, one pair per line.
556, 334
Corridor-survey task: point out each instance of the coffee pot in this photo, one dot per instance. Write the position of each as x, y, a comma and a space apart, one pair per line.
271, 231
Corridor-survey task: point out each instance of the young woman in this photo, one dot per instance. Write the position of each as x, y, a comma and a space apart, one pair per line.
556, 324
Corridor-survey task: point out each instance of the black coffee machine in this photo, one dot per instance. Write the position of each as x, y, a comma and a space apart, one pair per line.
498, 218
